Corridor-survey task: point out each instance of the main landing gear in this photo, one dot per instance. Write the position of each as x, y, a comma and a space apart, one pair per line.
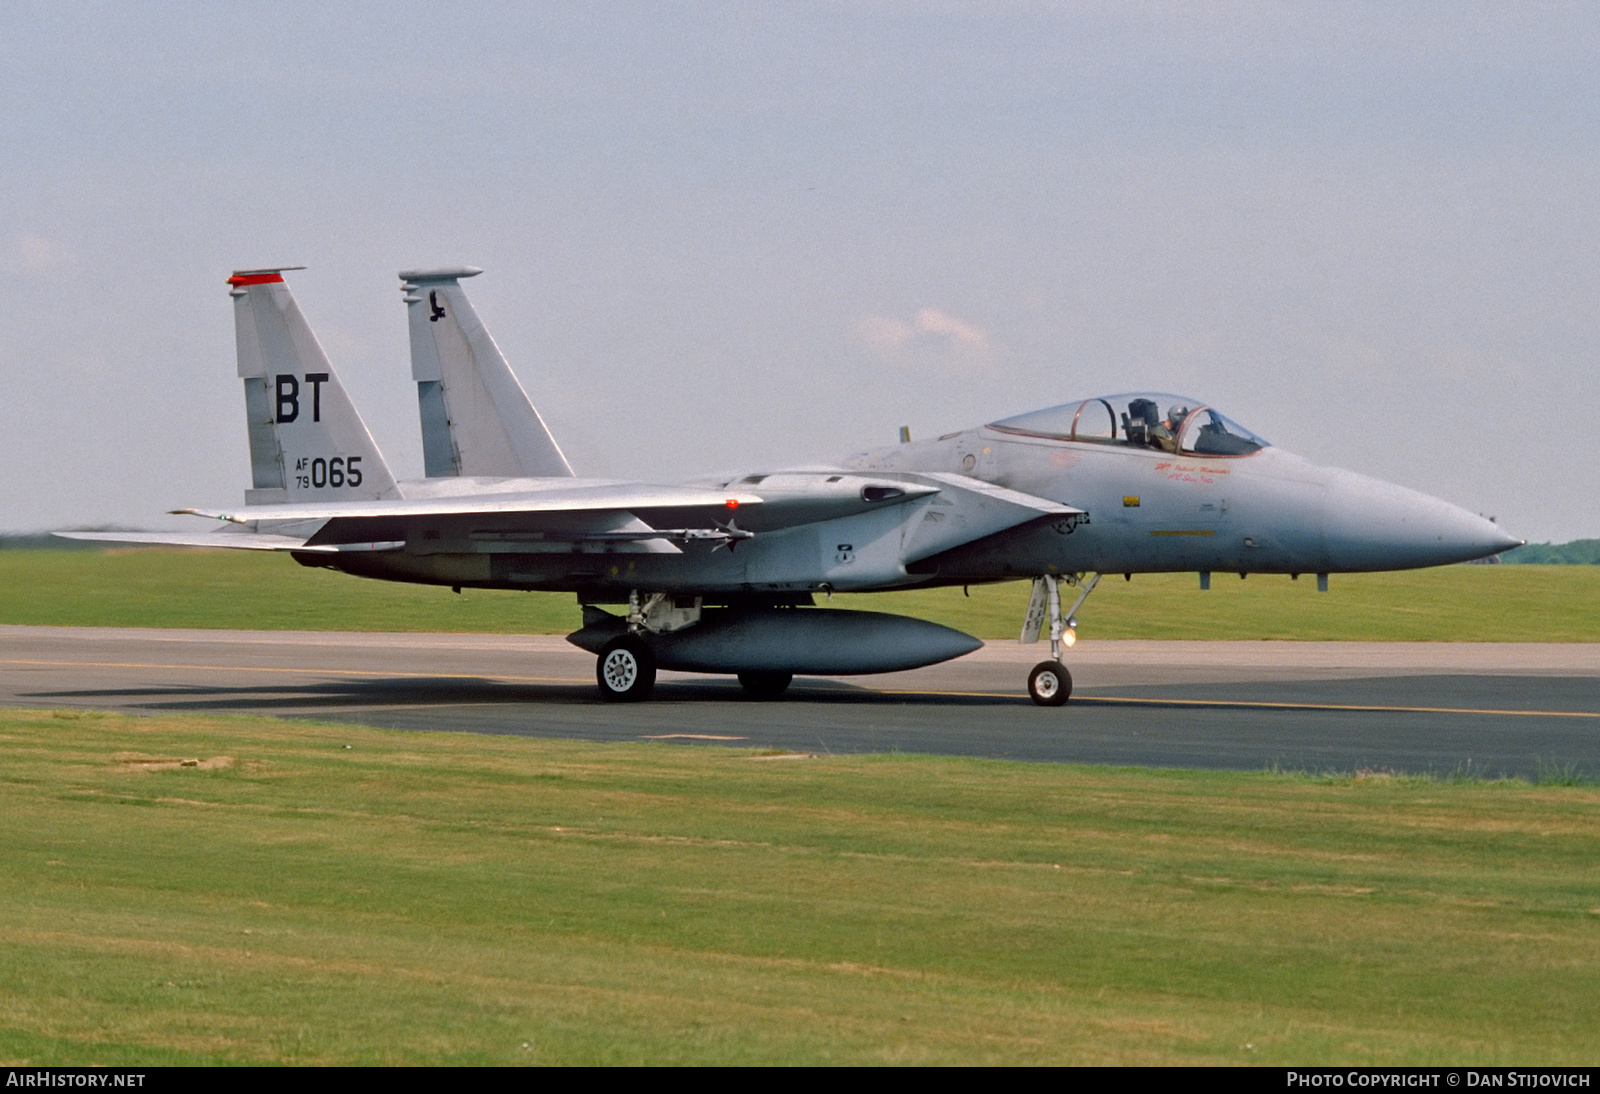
626, 670
1050, 684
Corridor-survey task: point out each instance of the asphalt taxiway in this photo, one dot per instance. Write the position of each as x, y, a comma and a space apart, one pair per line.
1481, 708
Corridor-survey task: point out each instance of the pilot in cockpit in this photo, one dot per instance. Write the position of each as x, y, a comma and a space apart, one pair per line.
1143, 424
1177, 414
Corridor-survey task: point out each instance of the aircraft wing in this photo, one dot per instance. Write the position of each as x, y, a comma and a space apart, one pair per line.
560, 512
520, 515
583, 497
536, 511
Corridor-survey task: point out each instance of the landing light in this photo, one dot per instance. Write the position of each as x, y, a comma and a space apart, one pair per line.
1070, 634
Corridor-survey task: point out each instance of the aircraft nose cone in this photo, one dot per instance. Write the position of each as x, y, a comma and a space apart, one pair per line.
1373, 525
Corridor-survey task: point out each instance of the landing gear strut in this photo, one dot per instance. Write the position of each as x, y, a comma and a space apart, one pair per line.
1050, 684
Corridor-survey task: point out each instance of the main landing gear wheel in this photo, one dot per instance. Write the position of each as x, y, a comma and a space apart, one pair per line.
1050, 684
626, 670
765, 685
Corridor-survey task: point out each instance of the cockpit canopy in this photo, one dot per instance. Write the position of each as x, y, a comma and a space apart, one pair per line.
1167, 423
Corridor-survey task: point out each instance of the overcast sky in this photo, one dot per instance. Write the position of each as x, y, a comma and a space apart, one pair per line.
748, 235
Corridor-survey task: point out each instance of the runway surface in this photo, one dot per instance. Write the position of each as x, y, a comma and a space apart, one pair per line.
1479, 708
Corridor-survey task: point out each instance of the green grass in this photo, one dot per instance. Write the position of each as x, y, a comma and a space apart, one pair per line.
164, 587
223, 589
336, 894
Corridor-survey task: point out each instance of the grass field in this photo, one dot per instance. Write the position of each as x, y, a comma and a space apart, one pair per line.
228, 589
304, 893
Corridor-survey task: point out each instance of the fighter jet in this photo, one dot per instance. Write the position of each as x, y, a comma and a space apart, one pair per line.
721, 575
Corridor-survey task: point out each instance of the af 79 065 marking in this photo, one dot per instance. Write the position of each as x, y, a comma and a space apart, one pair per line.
334, 471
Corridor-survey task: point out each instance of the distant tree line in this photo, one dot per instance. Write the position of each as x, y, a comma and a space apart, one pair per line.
1580, 552
45, 541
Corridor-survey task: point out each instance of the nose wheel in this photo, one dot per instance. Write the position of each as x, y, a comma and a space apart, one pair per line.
1050, 684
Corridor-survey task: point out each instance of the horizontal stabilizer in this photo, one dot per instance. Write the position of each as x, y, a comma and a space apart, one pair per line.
249, 541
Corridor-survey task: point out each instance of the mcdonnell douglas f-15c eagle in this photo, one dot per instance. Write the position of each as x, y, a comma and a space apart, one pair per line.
719, 575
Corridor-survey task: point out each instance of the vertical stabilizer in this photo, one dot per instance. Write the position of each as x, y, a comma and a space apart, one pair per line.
476, 419
307, 441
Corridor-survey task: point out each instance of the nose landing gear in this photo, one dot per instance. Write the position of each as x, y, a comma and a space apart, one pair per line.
1050, 684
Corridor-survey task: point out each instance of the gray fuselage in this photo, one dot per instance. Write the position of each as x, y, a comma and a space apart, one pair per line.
1144, 510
